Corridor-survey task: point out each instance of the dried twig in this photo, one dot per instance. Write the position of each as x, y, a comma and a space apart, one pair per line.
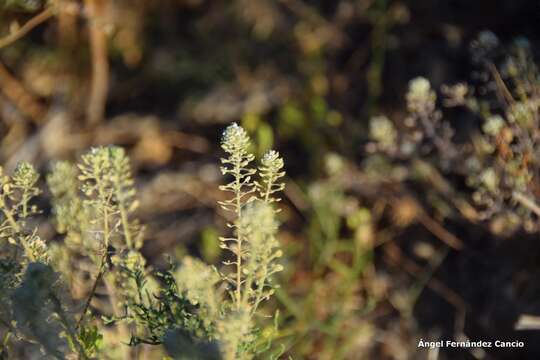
528, 203
27, 27
503, 91
394, 255
100, 63
439, 231
433, 226
26, 102
182, 140
67, 23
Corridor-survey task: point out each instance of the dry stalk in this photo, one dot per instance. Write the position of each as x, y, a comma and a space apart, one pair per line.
100, 64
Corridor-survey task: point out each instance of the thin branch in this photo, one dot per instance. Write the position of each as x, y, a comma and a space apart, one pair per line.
100, 63
25, 102
501, 86
528, 203
27, 27
393, 254
434, 227
439, 231
93, 290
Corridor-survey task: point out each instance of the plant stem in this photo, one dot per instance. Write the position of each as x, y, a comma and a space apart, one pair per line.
268, 189
69, 331
238, 177
17, 228
125, 224
93, 290
528, 203
258, 297
27, 27
103, 259
100, 63
11, 219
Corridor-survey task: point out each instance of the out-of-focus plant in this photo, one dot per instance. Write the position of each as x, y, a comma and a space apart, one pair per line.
499, 162
331, 282
423, 132
503, 169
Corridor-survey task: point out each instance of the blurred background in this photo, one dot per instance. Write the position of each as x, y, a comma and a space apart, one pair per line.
375, 261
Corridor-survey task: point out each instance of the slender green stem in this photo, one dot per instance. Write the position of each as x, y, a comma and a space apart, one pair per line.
94, 288
25, 199
238, 179
258, 297
11, 219
103, 259
123, 215
268, 189
125, 224
17, 228
69, 331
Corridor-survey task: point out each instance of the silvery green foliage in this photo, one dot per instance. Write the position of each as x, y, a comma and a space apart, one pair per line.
190, 306
94, 204
260, 228
270, 172
228, 318
96, 185
235, 142
235, 333
16, 194
31, 295
423, 133
25, 307
104, 215
252, 244
198, 282
108, 187
64, 186
109, 204
124, 195
71, 216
